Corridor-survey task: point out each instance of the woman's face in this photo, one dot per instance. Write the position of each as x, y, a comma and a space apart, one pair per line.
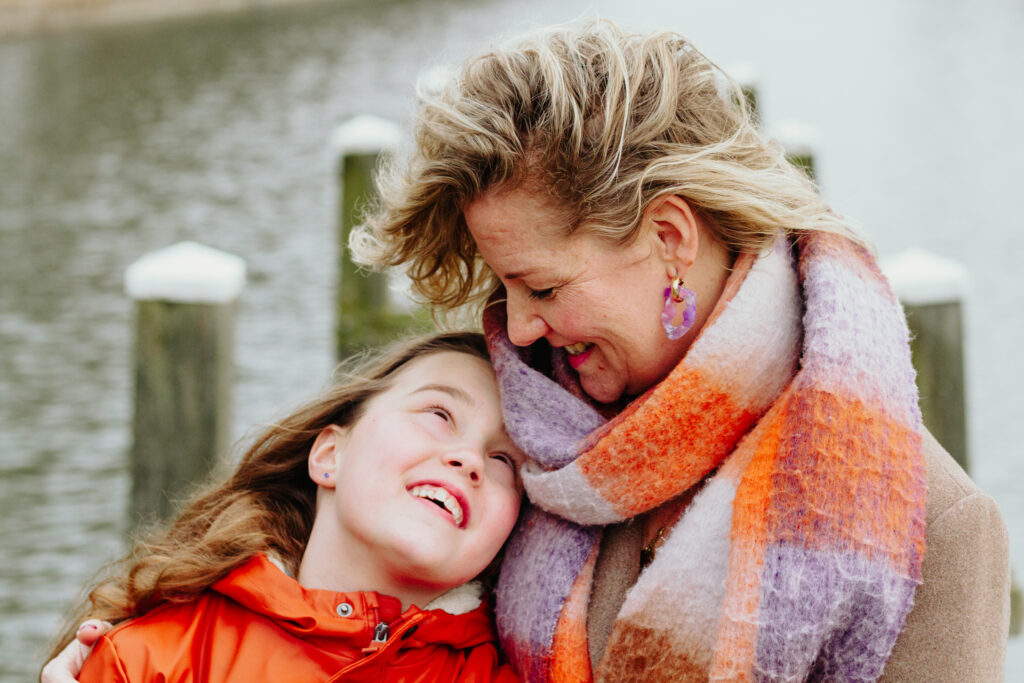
599, 301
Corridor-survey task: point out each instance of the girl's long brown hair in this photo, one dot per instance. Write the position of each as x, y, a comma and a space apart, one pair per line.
266, 505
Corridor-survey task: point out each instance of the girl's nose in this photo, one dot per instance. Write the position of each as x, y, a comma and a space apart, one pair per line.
524, 325
467, 461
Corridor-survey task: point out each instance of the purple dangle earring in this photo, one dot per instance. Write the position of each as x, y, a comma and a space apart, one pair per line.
674, 294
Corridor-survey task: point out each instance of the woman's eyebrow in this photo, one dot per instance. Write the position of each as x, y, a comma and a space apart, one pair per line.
455, 392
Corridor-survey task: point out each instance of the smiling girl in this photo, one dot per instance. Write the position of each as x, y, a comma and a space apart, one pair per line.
393, 490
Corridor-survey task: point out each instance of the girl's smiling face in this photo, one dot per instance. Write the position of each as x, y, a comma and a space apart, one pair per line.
424, 486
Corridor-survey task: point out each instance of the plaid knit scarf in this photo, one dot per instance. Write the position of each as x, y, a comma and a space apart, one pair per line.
795, 411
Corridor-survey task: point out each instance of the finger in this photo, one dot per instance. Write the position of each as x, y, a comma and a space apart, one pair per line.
90, 631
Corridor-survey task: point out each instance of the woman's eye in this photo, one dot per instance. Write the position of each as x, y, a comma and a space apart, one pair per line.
541, 294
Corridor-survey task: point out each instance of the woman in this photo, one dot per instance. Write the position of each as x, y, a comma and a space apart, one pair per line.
709, 372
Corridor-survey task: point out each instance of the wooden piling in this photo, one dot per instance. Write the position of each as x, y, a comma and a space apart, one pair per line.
1016, 606
746, 79
932, 291
800, 142
367, 314
185, 304
434, 79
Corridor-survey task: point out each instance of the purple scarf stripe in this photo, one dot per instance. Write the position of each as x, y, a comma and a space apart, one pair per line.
802, 626
544, 419
542, 560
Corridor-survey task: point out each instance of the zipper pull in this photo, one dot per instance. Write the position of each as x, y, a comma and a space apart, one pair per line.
380, 638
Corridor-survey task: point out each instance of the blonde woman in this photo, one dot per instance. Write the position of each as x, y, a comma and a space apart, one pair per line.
729, 475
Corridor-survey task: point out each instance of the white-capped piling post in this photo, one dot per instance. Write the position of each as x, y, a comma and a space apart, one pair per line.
1016, 605
434, 79
746, 79
185, 308
800, 142
366, 315
932, 290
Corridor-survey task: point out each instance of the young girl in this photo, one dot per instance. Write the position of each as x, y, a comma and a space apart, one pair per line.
392, 491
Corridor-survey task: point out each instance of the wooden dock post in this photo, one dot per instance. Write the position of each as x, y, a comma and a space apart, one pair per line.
366, 312
746, 78
1016, 605
800, 142
185, 314
932, 290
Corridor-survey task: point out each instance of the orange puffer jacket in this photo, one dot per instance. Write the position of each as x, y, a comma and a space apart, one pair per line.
257, 624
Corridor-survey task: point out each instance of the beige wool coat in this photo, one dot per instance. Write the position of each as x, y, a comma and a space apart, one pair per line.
958, 627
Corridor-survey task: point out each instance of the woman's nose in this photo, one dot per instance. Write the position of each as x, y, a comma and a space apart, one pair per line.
524, 325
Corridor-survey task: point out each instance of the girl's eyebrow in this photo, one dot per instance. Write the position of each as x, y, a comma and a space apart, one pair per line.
455, 392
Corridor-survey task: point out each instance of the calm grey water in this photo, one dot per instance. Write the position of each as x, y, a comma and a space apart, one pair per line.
114, 143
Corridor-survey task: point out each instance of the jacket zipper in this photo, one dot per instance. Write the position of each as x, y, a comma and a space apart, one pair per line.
380, 633
373, 654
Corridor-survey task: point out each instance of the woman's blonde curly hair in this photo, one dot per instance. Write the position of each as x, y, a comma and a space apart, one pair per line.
601, 121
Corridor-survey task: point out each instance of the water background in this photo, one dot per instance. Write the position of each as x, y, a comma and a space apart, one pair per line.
116, 142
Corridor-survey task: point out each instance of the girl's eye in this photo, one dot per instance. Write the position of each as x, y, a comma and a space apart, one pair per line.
505, 458
442, 413
542, 294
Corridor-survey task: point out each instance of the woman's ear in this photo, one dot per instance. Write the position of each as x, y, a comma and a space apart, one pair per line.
674, 224
323, 455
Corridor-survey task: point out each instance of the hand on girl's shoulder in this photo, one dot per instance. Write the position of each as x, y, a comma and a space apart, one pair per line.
65, 667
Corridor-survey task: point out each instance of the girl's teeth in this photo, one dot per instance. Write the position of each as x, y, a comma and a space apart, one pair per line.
451, 504
577, 348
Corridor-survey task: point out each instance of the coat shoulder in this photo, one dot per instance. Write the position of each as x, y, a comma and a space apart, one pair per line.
958, 627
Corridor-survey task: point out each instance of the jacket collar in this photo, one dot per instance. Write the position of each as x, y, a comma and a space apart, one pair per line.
459, 618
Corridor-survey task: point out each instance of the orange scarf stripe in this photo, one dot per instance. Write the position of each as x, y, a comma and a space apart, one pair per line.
888, 474
735, 652
704, 430
672, 664
753, 463
829, 515
570, 662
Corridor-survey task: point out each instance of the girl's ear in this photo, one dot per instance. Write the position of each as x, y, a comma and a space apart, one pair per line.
323, 455
675, 225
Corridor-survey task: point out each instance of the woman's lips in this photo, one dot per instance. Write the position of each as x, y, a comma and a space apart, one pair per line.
578, 353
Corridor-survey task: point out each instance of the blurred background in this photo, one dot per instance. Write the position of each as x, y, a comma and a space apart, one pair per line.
117, 140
